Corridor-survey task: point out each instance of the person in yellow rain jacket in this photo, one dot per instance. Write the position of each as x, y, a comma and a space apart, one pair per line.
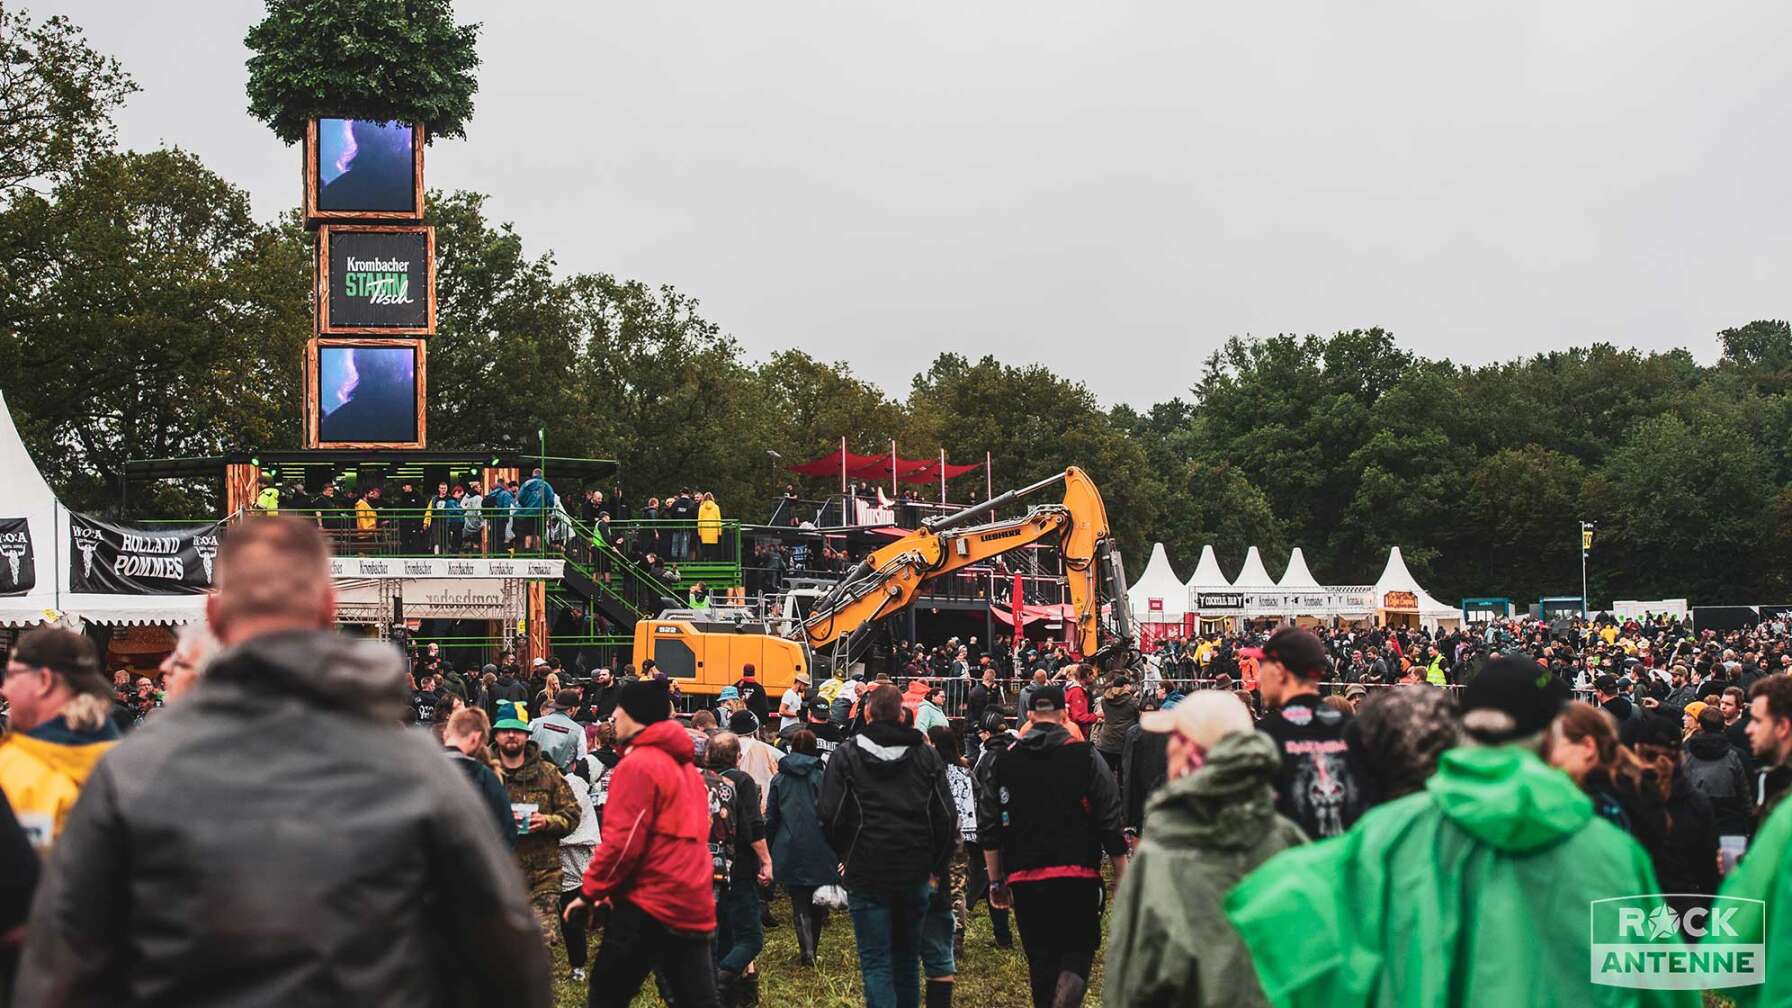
60, 727
367, 514
709, 524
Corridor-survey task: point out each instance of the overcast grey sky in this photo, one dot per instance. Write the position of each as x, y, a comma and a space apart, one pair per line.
1107, 188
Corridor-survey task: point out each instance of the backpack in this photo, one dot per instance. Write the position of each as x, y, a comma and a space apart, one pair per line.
722, 827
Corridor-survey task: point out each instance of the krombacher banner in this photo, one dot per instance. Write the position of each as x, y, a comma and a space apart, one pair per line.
110, 559
375, 280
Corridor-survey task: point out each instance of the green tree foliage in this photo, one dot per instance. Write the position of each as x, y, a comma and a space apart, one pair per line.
1214, 503
1520, 516
145, 314
1758, 345
57, 96
669, 394
812, 405
1482, 475
1032, 422
347, 58
1685, 508
502, 365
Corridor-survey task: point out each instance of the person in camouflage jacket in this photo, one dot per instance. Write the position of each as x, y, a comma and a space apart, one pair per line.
532, 780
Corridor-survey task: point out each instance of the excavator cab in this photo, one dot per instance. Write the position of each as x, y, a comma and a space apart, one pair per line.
703, 651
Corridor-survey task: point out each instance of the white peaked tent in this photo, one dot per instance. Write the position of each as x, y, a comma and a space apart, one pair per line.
1160, 583
1253, 575
1209, 580
29, 497
1397, 581
1208, 576
1297, 577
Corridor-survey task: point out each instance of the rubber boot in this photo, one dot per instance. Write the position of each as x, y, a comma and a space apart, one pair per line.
1070, 991
939, 993
804, 925
746, 991
727, 989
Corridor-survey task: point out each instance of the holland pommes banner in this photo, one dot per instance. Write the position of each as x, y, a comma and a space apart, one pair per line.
110, 559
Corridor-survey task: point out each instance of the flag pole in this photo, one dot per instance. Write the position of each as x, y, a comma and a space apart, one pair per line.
942, 475
892, 468
843, 463
989, 480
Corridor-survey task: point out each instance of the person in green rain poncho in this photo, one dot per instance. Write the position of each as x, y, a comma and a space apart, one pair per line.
1475, 891
1762, 876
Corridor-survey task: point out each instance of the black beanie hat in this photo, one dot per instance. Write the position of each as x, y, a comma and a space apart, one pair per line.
645, 700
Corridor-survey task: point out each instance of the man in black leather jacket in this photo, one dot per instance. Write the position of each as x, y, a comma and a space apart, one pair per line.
277, 837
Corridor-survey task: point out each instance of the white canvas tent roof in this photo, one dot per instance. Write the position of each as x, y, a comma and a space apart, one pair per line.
1297, 576
1253, 575
1395, 577
1207, 572
50, 600
1158, 581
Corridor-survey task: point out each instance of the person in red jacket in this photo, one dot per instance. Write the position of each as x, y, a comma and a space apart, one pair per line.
1081, 712
651, 873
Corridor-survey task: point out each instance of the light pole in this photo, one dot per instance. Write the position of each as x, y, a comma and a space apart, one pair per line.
1586, 546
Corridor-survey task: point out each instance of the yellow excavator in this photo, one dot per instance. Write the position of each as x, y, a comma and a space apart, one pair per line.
704, 651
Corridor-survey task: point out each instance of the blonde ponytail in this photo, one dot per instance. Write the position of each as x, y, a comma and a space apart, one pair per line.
86, 712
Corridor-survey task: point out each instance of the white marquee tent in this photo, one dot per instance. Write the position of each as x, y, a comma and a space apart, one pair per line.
50, 600
1207, 575
1211, 583
1253, 575
1158, 584
1398, 596
1297, 577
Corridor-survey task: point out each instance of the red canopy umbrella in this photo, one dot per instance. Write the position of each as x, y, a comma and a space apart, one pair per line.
829, 464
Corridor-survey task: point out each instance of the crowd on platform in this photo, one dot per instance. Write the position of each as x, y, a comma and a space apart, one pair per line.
268, 811
466, 517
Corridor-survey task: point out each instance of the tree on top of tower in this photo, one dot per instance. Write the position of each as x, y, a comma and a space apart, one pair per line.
405, 61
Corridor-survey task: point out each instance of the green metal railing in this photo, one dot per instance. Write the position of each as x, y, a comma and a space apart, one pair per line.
419, 532
632, 585
679, 546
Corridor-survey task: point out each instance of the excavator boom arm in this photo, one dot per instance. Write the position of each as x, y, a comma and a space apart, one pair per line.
889, 579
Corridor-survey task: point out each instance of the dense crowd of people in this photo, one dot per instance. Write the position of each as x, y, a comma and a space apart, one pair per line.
267, 809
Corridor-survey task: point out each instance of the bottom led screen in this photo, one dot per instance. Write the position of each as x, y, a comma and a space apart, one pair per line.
367, 394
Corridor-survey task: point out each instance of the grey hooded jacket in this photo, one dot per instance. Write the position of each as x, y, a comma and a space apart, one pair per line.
275, 838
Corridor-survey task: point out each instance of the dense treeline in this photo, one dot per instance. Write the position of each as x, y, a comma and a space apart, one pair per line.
144, 312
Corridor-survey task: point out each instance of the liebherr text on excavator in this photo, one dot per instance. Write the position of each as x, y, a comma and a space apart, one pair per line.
704, 651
